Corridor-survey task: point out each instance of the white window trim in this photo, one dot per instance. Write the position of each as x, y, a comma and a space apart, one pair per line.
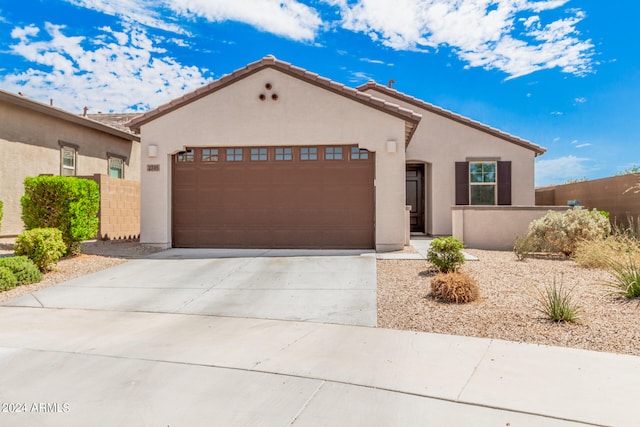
494, 183
118, 158
64, 167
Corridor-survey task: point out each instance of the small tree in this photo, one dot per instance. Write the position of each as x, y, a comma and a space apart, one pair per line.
67, 203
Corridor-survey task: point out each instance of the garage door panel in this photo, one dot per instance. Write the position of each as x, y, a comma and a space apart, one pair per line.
274, 204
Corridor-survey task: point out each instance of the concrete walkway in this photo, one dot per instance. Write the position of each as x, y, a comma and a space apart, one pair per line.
100, 365
106, 368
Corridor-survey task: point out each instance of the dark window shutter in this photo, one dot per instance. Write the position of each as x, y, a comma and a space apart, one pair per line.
462, 183
504, 183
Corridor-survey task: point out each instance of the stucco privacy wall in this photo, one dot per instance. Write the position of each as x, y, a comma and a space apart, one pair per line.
495, 227
119, 207
303, 114
439, 142
617, 195
29, 146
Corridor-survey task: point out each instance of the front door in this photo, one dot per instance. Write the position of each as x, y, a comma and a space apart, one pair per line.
415, 196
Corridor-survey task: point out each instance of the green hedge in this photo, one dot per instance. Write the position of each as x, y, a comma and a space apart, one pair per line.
24, 270
43, 246
7, 279
67, 203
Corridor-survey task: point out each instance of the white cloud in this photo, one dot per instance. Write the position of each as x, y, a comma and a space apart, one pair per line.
581, 100
557, 113
372, 61
113, 71
145, 12
583, 145
286, 18
560, 170
508, 35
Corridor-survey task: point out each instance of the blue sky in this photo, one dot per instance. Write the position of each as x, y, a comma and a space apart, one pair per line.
563, 74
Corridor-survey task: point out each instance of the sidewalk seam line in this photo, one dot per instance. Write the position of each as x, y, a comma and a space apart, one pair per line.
475, 369
302, 409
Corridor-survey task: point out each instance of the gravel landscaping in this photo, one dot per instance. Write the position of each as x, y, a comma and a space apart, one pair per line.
507, 305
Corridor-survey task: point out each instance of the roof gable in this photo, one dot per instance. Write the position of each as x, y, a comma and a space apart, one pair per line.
411, 118
60, 114
453, 116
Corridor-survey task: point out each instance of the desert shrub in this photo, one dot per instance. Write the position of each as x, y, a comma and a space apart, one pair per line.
523, 247
43, 246
556, 303
626, 277
562, 231
454, 287
25, 270
7, 279
598, 253
67, 203
446, 254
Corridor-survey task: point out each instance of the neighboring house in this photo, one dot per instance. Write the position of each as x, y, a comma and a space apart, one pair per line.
274, 156
37, 139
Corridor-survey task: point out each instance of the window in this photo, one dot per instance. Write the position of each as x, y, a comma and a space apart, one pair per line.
284, 153
486, 182
68, 163
482, 183
186, 156
258, 154
333, 153
359, 153
234, 154
116, 167
308, 153
210, 155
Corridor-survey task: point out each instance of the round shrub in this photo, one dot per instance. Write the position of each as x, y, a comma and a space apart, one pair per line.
454, 287
67, 203
446, 254
7, 279
25, 271
43, 246
562, 231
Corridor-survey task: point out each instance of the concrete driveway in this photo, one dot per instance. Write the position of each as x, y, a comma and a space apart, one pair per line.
319, 286
138, 345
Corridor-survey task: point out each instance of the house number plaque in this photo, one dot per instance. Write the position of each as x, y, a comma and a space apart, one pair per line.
153, 168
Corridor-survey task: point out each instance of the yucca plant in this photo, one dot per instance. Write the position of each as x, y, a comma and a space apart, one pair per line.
556, 303
626, 277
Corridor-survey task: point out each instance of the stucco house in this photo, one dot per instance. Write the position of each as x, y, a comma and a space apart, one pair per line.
38, 139
275, 156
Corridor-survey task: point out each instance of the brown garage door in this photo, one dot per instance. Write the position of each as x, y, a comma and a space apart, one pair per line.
274, 197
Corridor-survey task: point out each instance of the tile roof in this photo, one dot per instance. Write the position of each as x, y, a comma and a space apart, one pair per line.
61, 114
371, 85
411, 118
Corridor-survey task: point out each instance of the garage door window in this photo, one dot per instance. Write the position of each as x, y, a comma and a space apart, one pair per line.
210, 155
359, 153
333, 153
259, 154
284, 153
308, 153
234, 154
186, 156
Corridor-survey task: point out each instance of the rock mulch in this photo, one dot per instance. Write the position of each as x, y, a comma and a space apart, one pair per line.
507, 305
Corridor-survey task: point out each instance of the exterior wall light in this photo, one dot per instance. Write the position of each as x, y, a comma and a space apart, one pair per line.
392, 146
152, 150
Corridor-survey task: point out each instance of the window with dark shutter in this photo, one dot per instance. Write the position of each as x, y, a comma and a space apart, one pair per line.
462, 183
